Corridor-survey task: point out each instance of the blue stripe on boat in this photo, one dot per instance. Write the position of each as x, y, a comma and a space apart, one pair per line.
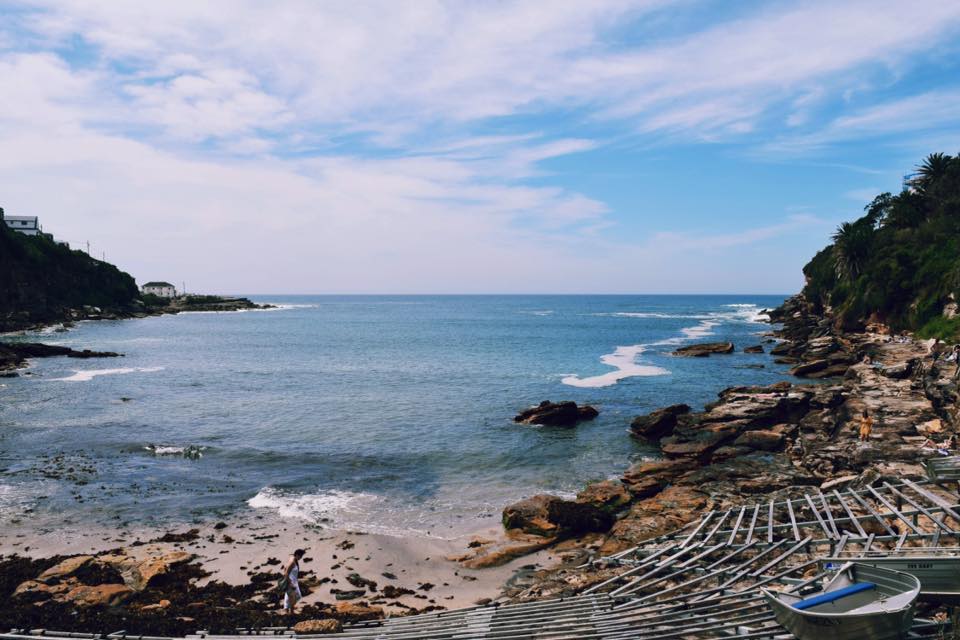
831, 596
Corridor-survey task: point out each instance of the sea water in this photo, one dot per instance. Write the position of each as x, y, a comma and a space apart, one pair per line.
374, 413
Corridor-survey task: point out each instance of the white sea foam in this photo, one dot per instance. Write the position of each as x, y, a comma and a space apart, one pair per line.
623, 359
189, 451
86, 375
538, 312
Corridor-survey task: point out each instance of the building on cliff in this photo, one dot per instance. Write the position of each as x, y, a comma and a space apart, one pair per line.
161, 289
27, 225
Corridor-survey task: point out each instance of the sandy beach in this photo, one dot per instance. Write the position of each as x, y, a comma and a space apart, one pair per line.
409, 572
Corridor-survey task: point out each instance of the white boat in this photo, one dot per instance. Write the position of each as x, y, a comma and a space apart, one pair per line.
860, 602
937, 569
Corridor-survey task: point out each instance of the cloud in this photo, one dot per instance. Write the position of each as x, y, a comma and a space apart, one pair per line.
384, 146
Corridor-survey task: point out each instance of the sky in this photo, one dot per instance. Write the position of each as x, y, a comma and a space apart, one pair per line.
695, 146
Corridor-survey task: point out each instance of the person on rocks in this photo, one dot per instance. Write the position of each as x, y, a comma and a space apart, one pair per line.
291, 588
866, 426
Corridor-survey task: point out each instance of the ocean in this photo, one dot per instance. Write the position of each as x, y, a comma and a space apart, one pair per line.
384, 414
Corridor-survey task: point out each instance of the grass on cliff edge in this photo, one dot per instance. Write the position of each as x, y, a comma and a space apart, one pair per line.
947, 329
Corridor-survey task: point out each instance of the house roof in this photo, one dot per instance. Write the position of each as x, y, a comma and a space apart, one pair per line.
158, 284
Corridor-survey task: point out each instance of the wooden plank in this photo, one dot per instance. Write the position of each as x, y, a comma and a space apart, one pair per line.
829, 512
893, 509
736, 527
770, 524
793, 520
853, 518
934, 498
726, 514
783, 556
866, 547
916, 505
872, 512
842, 543
703, 521
753, 522
903, 538
816, 514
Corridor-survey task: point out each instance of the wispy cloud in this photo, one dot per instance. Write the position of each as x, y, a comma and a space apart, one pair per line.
372, 142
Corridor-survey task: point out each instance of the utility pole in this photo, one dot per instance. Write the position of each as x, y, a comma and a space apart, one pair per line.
88, 247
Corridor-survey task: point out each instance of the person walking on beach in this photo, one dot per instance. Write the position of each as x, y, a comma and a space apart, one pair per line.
290, 586
866, 426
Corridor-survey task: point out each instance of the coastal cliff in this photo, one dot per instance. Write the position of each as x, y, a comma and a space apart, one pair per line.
42, 281
867, 327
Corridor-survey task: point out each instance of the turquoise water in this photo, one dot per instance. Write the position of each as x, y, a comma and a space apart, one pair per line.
377, 413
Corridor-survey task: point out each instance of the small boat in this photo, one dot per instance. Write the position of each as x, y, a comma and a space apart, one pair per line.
937, 569
860, 602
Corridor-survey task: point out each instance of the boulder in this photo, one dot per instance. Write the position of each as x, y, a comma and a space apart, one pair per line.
318, 626
101, 595
556, 414
608, 495
352, 612
765, 440
575, 518
757, 348
546, 515
140, 572
704, 350
530, 515
659, 423
64, 569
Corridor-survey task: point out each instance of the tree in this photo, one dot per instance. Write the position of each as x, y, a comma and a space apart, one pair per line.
932, 169
851, 243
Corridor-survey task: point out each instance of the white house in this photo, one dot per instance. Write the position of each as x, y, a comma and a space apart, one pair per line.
27, 225
162, 289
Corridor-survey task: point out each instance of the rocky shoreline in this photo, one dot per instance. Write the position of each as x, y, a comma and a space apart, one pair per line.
757, 440
67, 317
752, 440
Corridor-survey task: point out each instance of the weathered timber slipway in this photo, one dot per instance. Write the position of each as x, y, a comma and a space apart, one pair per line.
707, 580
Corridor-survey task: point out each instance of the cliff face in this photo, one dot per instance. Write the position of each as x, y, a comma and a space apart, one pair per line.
899, 264
41, 281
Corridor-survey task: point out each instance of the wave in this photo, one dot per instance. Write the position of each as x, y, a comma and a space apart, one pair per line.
86, 375
191, 451
537, 312
623, 359
342, 509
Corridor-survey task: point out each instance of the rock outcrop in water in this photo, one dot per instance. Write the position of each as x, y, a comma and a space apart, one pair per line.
769, 440
704, 350
15, 354
556, 414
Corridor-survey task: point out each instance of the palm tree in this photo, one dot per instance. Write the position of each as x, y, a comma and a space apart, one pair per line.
851, 248
933, 168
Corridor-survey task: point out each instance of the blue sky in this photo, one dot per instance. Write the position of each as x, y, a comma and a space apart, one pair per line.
443, 147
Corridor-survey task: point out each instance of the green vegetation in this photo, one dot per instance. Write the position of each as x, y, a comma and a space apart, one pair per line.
899, 263
40, 280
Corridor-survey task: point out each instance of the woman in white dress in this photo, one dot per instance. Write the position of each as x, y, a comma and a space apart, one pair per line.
291, 591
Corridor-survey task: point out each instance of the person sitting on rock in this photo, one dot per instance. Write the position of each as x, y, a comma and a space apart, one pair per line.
291, 588
866, 426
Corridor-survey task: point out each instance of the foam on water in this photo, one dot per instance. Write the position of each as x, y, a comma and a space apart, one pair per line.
624, 358
189, 451
337, 508
86, 375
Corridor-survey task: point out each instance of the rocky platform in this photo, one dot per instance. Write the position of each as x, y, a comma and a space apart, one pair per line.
760, 440
15, 354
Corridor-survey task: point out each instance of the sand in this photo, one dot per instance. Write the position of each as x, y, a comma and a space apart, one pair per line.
255, 545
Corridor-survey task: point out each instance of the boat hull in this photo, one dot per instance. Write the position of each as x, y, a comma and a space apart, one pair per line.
888, 617
870, 626
939, 576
